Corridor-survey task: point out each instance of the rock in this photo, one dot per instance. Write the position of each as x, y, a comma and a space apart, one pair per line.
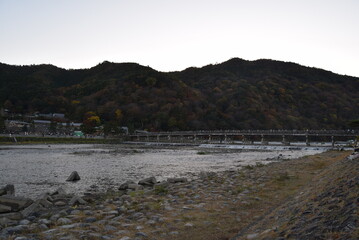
44, 203
141, 235
24, 222
90, 220
4, 209
151, 222
148, 181
43, 227
44, 221
16, 203
89, 213
75, 212
204, 175
64, 221
74, 176
69, 226
22, 238
7, 222
125, 238
7, 190
12, 216
252, 236
59, 191
124, 186
110, 228
163, 184
188, 225
75, 200
45, 196
177, 180
134, 187
55, 217
15, 229
136, 215
60, 204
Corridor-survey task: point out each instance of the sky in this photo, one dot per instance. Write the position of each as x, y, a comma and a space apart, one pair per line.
170, 35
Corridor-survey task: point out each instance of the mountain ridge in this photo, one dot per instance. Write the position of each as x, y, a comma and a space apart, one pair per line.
192, 67
261, 94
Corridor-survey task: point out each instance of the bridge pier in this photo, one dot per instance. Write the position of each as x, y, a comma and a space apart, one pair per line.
307, 140
284, 141
263, 141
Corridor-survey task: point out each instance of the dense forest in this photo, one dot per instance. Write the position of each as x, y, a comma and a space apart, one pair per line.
236, 94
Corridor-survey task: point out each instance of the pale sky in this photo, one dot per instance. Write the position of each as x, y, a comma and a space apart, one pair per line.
170, 35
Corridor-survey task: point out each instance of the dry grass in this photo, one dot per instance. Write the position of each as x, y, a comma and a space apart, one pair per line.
223, 220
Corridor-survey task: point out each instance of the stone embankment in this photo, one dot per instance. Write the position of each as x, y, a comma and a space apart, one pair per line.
314, 197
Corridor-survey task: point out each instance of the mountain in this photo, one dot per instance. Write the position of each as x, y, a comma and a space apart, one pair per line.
236, 94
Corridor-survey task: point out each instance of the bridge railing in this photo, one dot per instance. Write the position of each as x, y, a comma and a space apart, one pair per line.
348, 132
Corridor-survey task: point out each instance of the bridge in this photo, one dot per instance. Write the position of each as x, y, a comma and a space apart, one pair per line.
247, 136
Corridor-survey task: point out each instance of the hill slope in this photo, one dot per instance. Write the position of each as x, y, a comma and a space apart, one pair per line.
262, 94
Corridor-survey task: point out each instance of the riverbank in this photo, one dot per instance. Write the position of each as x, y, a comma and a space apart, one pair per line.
57, 140
313, 197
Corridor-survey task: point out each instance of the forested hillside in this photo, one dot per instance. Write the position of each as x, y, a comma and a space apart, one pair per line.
236, 94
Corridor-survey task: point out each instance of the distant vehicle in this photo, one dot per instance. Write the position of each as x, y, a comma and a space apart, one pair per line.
78, 134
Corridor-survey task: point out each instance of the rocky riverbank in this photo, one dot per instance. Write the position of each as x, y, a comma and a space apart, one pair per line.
314, 197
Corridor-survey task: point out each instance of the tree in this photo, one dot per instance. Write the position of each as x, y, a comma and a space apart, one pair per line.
118, 115
91, 121
354, 123
111, 128
2, 124
151, 81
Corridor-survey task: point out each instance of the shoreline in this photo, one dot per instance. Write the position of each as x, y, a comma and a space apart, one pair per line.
239, 204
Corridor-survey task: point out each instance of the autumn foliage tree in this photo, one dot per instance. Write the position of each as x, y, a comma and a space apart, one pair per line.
90, 122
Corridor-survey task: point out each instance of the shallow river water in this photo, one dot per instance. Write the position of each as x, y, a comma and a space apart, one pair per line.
35, 169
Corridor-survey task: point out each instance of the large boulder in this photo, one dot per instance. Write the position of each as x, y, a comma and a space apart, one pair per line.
76, 200
4, 209
7, 190
134, 187
124, 186
177, 180
148, 181
16, 203
74, 176
33, 208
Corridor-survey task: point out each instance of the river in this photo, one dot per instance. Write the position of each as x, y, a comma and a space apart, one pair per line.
35, 169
